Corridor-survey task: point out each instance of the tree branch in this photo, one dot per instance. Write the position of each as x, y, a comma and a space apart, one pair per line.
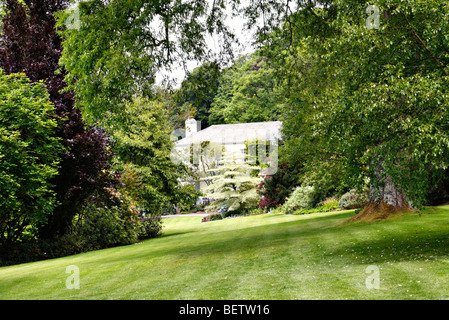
425, 46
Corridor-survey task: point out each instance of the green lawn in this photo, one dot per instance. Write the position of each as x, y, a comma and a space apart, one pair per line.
269, 256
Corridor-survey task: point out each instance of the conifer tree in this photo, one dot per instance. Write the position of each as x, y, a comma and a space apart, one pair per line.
234, 183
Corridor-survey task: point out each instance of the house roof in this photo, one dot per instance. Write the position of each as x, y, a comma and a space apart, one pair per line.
235, 133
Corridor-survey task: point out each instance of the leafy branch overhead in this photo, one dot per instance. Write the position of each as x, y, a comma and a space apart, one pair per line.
123, 43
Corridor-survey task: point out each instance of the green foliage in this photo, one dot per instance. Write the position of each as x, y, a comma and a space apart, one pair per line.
149, 227
363, 104
29, 158
108, 219
234, 183
330, 204
277, 187
198, 91
212, 217
301, 198
245, 92
293, 51
188, 196
388, 106
121, 44
143, 149
101, 227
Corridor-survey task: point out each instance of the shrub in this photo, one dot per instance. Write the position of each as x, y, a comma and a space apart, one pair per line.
212, 217
29, 157
107, 227
255, 211
187, 197
327, 205
150, 227
105, 221
353, 200
30, 44
300, 198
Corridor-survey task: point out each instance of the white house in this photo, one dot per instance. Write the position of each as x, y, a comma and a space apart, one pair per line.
225, 139
232, 136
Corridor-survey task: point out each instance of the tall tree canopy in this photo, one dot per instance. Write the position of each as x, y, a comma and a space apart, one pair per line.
388, 107
198, 91
246, 92
29, 158
31, 45
371, 98
121, 44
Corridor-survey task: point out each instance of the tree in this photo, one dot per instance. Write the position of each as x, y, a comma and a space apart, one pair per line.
387, 109
199, 90
29, 157
294, 53
367, 104
143, 147
223, 97
275, 188
246, 92
30, 44
234, 182
117, 52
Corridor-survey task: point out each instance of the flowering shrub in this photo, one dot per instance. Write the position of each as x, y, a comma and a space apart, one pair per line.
353, 200
300, 198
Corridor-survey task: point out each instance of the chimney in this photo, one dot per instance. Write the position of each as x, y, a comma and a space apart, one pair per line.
192, 127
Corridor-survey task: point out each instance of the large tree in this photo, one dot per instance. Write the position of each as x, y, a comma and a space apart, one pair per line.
31, 45
387, 109
246, 92
374, 95
198, 91
121, 44
293, 52
364, 95
143, 149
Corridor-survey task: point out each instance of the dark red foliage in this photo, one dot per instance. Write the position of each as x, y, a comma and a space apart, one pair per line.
31, 45
276, 188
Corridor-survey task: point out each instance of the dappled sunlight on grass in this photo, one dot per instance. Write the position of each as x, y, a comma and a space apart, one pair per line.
269, 256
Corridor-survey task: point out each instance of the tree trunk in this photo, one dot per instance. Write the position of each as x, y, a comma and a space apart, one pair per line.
384, 197
387, 193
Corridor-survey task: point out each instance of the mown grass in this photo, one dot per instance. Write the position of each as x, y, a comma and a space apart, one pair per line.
271, 256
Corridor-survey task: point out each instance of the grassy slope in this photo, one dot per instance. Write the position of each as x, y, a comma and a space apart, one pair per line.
258, 257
